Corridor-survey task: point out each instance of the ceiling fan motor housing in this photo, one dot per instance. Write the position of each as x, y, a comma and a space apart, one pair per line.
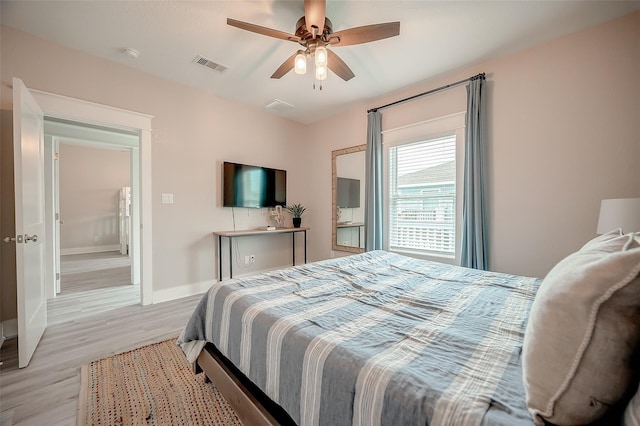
305, 36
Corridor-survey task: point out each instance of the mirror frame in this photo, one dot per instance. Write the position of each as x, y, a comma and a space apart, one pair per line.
334, 197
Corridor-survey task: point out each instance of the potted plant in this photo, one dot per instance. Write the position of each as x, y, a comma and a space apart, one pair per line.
296, 211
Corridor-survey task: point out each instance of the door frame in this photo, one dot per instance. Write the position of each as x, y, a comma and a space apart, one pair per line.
63, 107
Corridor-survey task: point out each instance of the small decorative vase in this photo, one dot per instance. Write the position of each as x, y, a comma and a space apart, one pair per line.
296, 222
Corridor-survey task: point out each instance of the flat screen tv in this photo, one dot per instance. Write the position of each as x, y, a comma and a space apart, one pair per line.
252, 186
348, 193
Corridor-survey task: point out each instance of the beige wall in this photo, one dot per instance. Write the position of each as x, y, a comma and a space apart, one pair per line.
193, 132
562, 135
90, 180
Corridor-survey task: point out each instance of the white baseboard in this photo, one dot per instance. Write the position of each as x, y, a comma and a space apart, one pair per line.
91, 249
9, 328
160, 296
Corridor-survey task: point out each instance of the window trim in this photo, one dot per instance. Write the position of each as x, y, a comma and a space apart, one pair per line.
418, 132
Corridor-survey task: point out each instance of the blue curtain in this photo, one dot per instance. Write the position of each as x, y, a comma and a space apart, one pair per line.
474, 253
373, 179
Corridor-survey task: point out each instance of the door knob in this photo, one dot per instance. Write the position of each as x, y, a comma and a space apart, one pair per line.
28, 238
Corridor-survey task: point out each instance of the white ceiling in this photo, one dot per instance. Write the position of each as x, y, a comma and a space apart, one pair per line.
435, 37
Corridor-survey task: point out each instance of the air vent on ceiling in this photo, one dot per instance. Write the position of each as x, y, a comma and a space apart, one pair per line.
200, 60
278, 105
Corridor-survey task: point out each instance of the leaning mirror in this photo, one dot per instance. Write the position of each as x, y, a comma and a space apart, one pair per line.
348, 167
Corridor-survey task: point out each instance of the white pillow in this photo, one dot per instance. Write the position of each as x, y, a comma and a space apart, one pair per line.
583, 330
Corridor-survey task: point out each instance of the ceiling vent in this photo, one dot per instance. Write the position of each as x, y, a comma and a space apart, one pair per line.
200, 60
278, 106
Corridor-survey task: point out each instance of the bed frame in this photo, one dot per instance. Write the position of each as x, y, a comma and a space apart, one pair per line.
252, 406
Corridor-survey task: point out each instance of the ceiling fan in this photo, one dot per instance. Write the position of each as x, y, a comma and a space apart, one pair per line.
314, 33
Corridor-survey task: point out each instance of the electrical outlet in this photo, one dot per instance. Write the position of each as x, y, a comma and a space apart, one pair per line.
96, 238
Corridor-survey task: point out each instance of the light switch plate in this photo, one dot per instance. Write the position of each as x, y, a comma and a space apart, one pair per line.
167, 198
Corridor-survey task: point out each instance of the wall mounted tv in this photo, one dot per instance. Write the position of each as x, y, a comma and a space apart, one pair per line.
348, 193
252, 186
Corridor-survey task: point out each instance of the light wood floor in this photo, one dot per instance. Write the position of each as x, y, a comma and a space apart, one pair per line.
84, 324
90, 284
79, 271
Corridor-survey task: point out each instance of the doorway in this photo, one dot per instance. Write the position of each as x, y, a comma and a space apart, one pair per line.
100, 123
93, 174
95, 212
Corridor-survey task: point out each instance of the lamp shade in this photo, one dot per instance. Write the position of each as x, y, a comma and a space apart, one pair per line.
321, 56
619, 213
301, 63
321, 72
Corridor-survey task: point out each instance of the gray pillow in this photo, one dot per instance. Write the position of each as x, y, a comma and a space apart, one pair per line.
583, 332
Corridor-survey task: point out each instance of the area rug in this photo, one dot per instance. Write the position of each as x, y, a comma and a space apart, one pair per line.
152, 385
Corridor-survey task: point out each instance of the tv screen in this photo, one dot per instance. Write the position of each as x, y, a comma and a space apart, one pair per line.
252, 186
348, 193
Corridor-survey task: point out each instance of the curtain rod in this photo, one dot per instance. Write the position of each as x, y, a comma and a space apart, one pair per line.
475, 77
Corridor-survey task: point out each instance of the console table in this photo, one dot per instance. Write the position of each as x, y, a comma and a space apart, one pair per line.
257, 232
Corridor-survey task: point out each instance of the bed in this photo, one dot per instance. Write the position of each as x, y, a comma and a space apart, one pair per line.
371, 339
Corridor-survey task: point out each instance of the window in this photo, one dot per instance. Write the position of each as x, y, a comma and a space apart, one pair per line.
422, 196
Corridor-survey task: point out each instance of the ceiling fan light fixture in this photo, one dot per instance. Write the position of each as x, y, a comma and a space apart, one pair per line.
321, 56
301, 63
321, 72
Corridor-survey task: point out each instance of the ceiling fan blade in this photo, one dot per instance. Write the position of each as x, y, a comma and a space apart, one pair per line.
338, 66
365, 34
262, 30
286, 66
314, 15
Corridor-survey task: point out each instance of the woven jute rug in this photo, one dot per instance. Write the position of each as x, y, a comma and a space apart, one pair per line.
152, 385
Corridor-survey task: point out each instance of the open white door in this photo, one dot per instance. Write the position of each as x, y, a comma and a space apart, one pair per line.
28, 146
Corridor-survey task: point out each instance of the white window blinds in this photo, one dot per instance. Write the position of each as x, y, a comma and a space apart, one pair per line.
422, 196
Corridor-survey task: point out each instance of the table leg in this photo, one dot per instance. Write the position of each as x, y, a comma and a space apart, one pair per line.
305, 246
293, 244
230, 259
219, 257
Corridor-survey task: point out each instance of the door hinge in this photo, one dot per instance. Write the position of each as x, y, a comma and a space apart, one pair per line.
57, 276
57, 216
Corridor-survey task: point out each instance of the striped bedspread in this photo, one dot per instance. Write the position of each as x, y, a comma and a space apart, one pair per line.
375, 339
